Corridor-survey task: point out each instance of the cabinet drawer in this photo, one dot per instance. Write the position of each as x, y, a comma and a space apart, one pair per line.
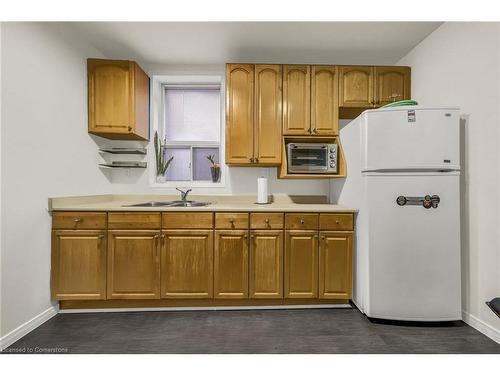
231, 220
79, 220
335, 222
187, 220
134, 220
263, 220
301, 221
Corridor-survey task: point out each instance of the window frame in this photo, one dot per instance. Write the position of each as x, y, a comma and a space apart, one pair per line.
158, 86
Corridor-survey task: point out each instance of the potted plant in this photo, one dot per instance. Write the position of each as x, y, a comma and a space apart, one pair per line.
161, 163
214, 168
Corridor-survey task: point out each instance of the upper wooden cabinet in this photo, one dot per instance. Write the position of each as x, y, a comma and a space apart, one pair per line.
310, 100
253, 114
392, 83
356, 86
324, 102
368, 86
118, 99
296, 99
239, 113
78, 264
268, 114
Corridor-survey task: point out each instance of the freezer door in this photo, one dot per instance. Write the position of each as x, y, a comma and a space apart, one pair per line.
413, 252
425, 139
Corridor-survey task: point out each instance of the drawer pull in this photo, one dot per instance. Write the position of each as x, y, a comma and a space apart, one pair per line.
337, 221
302, 221
78, 219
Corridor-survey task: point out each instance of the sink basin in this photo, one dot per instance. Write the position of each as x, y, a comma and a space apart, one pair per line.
188, 204
169, 204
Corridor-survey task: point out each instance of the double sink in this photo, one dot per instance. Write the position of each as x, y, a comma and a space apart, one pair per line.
183, 203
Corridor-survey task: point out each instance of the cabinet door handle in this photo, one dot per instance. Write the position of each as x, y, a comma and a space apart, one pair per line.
251, 160
314, 131
129, 128
309, 130
256, 160
322, 237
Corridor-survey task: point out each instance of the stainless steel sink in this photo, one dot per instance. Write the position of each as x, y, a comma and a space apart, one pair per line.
169, 204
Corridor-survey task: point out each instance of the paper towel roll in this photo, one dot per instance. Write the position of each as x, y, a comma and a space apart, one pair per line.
262, 190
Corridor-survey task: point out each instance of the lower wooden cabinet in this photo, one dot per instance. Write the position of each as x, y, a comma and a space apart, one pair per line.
266, 264
187, 264
335, 265
231, 264
78, 264
133, 264
301, 264
275, 256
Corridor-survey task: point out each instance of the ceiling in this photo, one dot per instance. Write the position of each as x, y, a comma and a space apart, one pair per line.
272, 42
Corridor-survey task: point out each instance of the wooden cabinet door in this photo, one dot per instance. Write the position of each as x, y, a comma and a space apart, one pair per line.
110, 96
324, 100
356, 86
392, 83
268, 114
301, 264
231, 264
78, 264
133, 264
296, 99
335, 265
187, 264
266, 264
239, 113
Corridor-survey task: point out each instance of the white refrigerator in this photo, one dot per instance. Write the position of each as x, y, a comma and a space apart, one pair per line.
403, 175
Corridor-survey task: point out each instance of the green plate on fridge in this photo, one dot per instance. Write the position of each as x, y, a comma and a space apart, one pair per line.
400, 103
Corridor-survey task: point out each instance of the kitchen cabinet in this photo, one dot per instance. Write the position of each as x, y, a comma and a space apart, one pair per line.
356, 86
118, 99
78, 264
301, 264
253, 114
296, 99
133, 264
239, 113
324, 100
392, 83
167, 258
335, 265
268, 114
310, 100
373, 86
187, 264
266, 264
231, 264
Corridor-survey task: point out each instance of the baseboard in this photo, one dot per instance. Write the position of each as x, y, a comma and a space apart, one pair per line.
481, 326
27, 327
206, 308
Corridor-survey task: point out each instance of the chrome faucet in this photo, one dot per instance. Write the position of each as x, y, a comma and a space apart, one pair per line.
184, 194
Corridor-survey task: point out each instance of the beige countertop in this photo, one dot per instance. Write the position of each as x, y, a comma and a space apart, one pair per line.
280, 202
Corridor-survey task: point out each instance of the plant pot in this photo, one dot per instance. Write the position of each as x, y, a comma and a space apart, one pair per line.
161, 179
215, 173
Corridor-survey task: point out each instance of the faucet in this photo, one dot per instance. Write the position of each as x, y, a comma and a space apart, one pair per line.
184, 194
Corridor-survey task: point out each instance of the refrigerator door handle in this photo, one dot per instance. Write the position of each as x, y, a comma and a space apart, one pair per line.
427, 201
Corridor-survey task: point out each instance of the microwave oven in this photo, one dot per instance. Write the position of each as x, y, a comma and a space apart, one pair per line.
312, 157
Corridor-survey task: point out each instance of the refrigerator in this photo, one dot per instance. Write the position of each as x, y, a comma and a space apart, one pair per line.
403, 176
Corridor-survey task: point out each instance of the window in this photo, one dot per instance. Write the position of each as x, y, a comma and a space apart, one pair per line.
192, 129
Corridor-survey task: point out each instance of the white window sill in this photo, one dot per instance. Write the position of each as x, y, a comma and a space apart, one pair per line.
187, 184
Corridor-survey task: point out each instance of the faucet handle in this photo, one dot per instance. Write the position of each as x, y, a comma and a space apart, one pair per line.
184, 194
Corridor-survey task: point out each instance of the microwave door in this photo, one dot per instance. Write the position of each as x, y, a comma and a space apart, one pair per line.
310, 159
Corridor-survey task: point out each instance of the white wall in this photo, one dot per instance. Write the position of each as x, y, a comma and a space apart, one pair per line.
459, 65
46, 152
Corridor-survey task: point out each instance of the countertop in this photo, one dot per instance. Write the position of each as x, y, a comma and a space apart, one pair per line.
245, 203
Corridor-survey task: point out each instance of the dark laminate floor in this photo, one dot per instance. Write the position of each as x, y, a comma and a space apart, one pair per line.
247, 331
